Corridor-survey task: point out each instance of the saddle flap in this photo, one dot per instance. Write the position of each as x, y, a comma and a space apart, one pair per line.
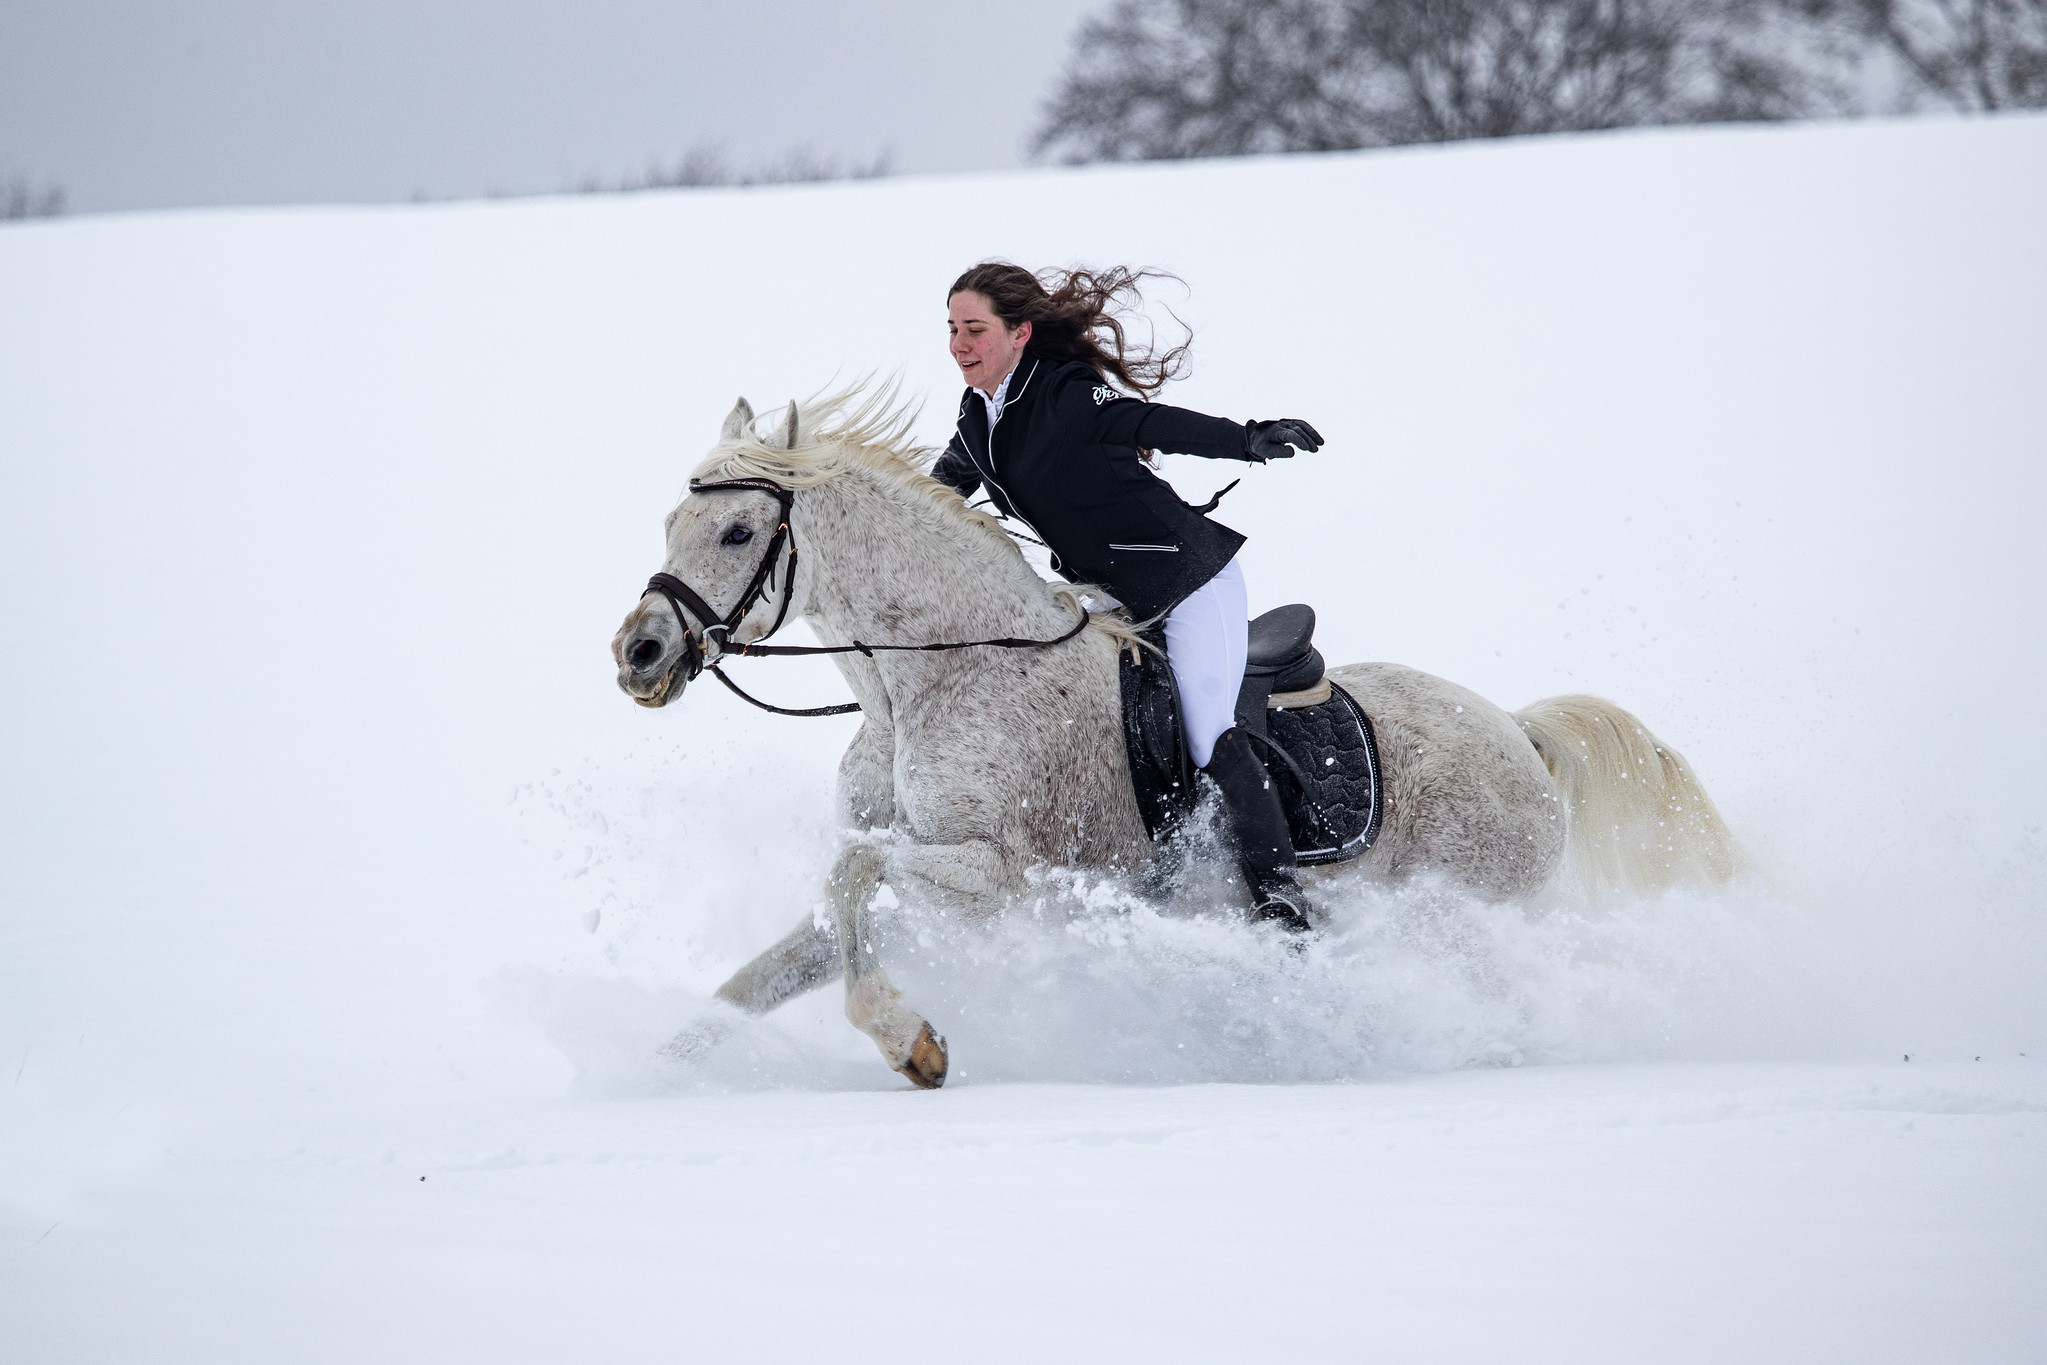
1321, 752
1281, 636
1326, 760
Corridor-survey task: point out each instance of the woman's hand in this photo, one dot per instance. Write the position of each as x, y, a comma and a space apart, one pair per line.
1275, 440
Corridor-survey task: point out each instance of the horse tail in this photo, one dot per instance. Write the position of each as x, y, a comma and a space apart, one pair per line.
1637, 820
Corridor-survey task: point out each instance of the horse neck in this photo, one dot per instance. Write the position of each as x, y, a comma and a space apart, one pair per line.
889, 566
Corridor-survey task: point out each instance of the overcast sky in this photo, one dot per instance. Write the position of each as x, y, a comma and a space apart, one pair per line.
142, 105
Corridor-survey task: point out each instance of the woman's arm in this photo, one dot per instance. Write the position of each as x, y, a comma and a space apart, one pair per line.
1164, 427
1099, 413
955, 469
1096, 413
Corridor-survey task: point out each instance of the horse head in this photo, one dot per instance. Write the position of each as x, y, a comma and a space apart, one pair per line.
723, 546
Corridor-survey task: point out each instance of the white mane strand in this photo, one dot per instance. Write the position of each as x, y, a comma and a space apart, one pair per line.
859, 427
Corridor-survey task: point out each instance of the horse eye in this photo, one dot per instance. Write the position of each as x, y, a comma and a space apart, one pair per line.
738, 535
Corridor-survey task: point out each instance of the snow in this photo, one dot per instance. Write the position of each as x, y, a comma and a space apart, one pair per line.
343, 900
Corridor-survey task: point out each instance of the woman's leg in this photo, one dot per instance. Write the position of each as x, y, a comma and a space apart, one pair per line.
1207, 636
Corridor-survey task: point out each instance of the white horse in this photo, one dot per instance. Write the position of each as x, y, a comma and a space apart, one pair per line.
973, 765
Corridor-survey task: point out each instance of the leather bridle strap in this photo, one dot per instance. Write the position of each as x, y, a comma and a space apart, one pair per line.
870, 651
680, 595
1006, 642
843, 708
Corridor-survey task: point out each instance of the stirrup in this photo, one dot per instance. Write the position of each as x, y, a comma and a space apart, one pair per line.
1285, 904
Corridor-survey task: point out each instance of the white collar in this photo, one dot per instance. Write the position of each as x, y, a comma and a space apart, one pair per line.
995, 404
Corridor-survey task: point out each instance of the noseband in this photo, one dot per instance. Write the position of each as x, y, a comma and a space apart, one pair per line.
696, 657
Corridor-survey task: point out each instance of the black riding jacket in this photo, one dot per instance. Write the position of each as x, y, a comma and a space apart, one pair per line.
1064, 461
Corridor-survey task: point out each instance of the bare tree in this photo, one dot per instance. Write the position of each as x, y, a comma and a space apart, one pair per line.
1160, 79
1970, 54
21, 197
1449, 69
1175, 78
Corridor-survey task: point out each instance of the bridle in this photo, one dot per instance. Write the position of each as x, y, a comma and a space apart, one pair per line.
679, 594
696, 657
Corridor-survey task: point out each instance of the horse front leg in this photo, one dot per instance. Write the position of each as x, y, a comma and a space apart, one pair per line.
873, 1004
804, 959
966, 881
808, 955
867, 782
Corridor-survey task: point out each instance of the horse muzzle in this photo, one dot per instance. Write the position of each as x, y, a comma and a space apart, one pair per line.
653, 671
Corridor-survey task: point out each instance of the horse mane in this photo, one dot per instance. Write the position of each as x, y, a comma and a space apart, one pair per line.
866, 427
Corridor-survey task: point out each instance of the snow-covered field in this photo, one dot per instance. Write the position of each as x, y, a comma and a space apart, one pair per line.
345, 899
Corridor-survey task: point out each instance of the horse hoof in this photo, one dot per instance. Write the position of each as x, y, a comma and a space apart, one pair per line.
925, 1066
693, 1046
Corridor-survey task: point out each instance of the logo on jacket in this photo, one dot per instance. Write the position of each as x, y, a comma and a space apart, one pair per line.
1103, 393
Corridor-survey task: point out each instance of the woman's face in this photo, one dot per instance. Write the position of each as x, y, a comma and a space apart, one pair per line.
984, 349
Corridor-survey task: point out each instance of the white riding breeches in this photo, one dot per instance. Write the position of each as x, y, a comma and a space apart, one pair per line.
1207, 638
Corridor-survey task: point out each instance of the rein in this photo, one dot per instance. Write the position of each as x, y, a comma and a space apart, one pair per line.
695, 657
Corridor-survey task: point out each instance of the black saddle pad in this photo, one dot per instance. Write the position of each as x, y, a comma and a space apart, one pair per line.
1324, 759
1334, 798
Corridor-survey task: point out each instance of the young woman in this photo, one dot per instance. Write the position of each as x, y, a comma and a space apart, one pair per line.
1050, 426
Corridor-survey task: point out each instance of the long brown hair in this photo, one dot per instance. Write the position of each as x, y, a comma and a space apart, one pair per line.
1077, 315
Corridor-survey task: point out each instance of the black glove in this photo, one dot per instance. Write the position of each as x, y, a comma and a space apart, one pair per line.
1275, 440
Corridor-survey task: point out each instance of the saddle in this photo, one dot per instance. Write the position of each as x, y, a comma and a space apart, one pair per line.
1315, 739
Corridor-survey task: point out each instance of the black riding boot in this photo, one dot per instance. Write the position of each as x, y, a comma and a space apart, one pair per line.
1265, 847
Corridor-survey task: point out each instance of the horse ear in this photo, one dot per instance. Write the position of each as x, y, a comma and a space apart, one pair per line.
738, 421
785, 438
